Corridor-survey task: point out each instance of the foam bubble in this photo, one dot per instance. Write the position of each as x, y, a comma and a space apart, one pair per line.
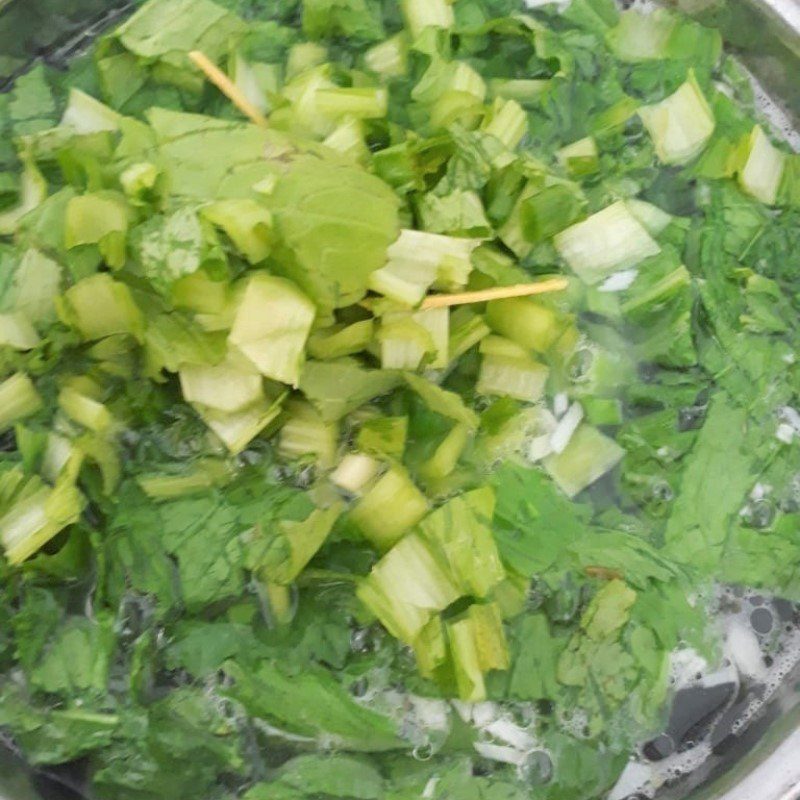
685, 664
575, 724
743, 649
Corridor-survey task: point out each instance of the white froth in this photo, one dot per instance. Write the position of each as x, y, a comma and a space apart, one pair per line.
685, 665
743, 650
791, 417
430, 713
785, 433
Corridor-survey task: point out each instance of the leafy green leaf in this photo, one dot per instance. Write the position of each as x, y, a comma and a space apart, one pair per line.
310, 704
335, 224
202, 648
78, 660
285, 554
336, 388
582, 770
608, 611
209, 158
180, 244
536, 651
180, 744
719, 473
162, 32
34, 623
32, 107
456, 214
334, 776
441, 401
534, 523
359, 19
630, 555
54, 736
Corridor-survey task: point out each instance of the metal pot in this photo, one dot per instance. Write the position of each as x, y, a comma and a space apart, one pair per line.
763, 763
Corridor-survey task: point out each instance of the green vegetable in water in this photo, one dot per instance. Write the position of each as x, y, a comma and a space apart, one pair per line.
263, 515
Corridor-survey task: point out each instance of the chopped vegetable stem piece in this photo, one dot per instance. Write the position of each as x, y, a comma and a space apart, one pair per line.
18, 400
390, 508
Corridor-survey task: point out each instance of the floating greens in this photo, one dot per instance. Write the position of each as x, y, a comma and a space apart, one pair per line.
273, 529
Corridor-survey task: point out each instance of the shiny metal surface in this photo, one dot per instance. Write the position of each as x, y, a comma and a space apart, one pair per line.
766, 34
764, 762
781, 780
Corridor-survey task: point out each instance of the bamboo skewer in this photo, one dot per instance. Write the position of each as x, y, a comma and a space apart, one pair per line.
496, 293
227, 87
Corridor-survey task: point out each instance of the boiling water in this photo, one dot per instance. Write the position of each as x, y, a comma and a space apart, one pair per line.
714, 704
760, 636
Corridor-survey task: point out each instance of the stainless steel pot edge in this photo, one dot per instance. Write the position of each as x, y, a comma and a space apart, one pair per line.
782, 775
786, 15
766, 35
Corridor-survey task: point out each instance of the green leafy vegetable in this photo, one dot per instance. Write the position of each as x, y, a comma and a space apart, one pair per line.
703, 512
277, 519
325, 708
320, 210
